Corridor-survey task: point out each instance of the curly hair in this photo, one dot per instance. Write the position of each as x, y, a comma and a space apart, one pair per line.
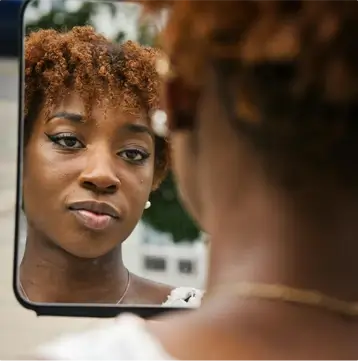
287, 73
85, 61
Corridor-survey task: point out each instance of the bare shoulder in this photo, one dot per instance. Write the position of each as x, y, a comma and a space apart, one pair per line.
145, 291
195, 336
176, 332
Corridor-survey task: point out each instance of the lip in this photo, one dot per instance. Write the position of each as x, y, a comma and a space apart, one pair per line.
94, 215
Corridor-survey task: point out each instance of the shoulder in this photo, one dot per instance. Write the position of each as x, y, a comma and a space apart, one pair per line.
125, 338
165, 338
144, 291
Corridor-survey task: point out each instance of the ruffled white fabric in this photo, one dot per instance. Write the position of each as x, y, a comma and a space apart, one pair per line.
184, 297
125, 338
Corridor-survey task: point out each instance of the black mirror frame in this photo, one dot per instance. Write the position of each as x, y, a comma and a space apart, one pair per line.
58, 309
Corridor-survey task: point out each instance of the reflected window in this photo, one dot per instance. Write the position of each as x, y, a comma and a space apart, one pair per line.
155, 263
186, 266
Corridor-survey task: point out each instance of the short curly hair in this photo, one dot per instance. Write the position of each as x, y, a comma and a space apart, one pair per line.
87, 62
288, 73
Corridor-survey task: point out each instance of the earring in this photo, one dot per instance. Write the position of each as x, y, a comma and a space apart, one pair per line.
147, 205
159, 123
164, 68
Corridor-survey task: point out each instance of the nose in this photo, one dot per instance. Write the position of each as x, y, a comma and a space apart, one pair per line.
99, 175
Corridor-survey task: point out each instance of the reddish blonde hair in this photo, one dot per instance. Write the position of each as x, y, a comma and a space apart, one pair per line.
86, 61
294, 67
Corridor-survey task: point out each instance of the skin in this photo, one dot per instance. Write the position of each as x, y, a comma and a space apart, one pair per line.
305, 238
69, 158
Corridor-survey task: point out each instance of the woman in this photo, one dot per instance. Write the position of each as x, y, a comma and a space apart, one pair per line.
262, 109
90, 162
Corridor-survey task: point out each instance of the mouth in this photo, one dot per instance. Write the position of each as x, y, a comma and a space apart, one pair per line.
94, 215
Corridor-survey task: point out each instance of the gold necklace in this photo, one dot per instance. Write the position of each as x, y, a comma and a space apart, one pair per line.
293, 295
119, 301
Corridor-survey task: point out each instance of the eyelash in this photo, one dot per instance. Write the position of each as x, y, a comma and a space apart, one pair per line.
144, 155
57, 138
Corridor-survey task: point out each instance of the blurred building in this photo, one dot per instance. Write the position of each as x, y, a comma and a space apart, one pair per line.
154, 255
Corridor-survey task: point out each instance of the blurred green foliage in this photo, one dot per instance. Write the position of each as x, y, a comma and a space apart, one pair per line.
59, 18
166, 214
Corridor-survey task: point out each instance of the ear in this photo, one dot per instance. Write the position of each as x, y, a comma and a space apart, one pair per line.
181, 104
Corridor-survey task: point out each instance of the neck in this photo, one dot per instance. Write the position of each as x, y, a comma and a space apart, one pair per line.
305, 236
306, 239
50, 274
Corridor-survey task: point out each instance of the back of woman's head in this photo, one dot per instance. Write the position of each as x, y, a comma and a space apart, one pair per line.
287, 73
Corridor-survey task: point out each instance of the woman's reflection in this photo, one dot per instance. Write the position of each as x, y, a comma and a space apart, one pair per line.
90, 163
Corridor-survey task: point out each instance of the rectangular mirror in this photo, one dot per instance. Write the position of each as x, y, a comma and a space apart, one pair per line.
99, 221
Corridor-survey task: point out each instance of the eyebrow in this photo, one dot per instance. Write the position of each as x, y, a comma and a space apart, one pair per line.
138, 128
73, 117
78, 118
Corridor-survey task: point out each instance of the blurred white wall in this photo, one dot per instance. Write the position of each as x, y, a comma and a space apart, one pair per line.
161, 260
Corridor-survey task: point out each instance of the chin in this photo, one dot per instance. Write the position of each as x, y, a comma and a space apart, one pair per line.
185, 170
87, 255
192, 205
88, 248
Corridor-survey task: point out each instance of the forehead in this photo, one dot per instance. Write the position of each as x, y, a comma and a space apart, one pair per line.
101, 109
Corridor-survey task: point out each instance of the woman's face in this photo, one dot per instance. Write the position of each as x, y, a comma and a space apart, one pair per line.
86, 181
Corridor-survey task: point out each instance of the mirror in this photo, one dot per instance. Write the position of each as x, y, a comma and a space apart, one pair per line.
100, 221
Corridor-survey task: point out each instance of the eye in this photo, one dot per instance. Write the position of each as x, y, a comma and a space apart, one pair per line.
134, 155
66, 140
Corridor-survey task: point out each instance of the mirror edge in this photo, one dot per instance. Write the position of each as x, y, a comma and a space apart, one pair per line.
61, 310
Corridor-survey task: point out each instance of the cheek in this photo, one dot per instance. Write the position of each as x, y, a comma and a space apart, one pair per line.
185, 167
180, 167
137, 183
44, 176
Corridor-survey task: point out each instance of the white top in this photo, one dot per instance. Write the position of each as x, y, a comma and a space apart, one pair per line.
125, 338
184, 297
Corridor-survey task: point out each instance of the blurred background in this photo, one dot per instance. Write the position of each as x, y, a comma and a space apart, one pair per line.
165, 246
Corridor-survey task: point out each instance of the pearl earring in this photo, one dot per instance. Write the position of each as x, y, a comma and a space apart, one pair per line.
159, 123
147, 205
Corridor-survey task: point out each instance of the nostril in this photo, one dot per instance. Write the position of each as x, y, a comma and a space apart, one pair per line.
88, 185
97, 187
